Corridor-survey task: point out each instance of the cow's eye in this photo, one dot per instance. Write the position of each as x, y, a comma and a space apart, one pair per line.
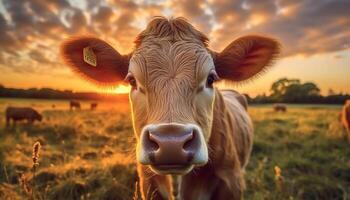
212, 77
132, 81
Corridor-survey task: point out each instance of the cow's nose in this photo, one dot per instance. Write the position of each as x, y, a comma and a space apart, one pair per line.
170, 144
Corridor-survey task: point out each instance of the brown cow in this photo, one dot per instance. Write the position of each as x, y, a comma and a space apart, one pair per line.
74, 105
21, 113
345, 117
93, 106
280, 107
193, 140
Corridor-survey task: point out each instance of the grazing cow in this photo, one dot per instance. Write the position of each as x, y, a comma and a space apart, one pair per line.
280, 107
93, 106
345, 117
74, 105
193, 140
21, 113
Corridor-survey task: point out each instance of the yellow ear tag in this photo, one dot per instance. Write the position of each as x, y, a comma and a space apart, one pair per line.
89, 56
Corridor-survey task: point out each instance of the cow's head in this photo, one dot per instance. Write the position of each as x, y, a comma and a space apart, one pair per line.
171, 73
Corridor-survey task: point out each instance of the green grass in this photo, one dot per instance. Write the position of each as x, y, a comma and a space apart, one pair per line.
308, 144
90, 154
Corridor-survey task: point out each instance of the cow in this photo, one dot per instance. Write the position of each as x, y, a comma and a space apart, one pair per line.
193, 141
21, 113
74, 105
93, 106
280, 107
345, 117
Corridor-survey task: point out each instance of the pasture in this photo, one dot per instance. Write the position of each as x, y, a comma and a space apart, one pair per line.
300, 154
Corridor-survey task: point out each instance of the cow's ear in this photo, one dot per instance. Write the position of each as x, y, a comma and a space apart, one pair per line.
246, 57
95, 60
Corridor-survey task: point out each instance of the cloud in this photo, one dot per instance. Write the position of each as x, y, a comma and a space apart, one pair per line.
31, 31
104, 14
305, 27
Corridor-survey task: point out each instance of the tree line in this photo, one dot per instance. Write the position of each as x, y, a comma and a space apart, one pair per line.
294, 91
282, 91
48, 93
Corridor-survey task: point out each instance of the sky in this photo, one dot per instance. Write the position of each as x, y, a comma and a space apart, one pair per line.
315, 36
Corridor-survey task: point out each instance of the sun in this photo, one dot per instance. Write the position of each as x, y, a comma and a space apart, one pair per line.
122, 89
119, 89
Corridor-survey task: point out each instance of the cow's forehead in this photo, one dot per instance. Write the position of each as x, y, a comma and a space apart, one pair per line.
163, 59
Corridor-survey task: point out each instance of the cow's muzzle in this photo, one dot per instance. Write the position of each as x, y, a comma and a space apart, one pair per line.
172, 148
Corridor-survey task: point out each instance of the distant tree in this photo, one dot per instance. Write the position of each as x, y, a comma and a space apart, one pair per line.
331, 92
262, 98
299, 93
293, 91
279, 87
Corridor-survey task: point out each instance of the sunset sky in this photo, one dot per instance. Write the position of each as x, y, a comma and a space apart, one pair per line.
315, 35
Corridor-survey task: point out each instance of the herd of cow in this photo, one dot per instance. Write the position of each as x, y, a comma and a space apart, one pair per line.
31, 115
76, 105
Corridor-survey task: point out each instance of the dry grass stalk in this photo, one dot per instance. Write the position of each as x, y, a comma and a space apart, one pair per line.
35, 156
6, 175
24, 185
278, 178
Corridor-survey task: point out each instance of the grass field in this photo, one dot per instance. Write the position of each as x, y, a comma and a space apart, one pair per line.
89, 154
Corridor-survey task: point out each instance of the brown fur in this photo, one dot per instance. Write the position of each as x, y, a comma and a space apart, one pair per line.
345, 117
107, 57
172, 30
93, 106
170, 64
241, 98
21, 113
280, 107
74, 105
246, 57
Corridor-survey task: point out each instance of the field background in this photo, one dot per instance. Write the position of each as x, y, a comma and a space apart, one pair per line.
90, 154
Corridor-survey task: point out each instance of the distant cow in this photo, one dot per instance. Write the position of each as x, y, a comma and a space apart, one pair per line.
74, 104
93, 106
280, 107
21, 113
345, 116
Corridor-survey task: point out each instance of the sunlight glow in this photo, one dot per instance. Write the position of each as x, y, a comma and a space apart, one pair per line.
120, 89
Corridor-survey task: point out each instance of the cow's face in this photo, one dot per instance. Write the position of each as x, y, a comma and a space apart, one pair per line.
172, 92
172, 99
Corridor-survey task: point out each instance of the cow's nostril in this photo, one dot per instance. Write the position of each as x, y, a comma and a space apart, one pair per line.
150, 144
190, 143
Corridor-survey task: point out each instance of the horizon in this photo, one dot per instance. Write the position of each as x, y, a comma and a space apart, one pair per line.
123, 89
314, 37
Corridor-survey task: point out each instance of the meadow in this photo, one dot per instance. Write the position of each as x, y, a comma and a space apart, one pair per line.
300, 154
